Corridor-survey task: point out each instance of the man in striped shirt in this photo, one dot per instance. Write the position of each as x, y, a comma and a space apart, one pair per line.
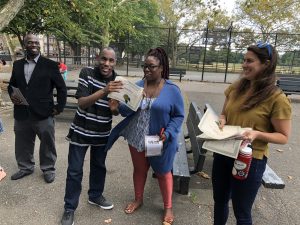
90, 128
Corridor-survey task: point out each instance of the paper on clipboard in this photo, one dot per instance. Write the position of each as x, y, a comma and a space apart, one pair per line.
131, 94
19, 95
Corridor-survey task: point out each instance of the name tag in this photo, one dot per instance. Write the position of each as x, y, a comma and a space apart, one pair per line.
153, 146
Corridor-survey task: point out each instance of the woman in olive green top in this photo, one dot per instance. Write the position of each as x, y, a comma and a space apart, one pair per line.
252, 101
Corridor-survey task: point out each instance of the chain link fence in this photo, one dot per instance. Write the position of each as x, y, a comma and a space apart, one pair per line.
200, 52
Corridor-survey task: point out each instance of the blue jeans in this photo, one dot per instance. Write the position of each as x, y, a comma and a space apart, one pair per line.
75, 173
241, 192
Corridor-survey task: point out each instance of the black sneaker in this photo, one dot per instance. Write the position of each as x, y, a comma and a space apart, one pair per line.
68, 218
101, 202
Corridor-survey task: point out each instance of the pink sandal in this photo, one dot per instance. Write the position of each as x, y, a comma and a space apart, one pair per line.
2, 173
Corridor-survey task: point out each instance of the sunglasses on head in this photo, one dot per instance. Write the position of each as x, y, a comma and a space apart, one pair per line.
266, 45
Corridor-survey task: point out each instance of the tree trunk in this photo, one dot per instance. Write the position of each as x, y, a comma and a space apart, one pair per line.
76, 49
9, 11
59, 49
106, 34
9, 45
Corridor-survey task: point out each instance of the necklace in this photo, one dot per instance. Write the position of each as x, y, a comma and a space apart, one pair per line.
151, 93
152, 90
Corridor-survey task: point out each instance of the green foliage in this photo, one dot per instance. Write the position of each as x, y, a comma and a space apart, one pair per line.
268, 16
83, 21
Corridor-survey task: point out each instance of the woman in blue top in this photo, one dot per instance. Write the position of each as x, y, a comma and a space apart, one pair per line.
160, 113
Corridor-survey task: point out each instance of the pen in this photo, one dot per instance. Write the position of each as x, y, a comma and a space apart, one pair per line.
161, 131
161, 137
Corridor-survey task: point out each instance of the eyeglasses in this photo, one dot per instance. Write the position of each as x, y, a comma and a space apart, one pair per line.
265, 45
150, 67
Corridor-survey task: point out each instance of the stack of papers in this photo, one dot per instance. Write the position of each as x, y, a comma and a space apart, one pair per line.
226, 141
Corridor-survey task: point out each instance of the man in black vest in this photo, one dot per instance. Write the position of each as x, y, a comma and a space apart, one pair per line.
36, 77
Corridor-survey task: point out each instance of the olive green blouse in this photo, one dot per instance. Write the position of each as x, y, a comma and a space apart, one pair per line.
276, 106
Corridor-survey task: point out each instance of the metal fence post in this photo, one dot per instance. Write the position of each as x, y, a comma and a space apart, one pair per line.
127, 68
204, 56
89, 55
228, 51
48, 45
64, 45
168, 49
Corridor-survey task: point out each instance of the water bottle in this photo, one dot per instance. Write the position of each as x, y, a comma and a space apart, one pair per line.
242, 164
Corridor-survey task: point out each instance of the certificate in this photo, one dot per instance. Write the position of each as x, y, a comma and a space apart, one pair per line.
131, 94
19, 95
153, 145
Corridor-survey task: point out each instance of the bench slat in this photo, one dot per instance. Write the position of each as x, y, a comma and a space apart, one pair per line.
199, 153
289, 84
181, 171
271, 180
177, 72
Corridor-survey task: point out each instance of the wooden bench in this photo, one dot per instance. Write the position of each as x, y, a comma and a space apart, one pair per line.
71, 91
6, 57
289, 84
272, 180
177, 72
181, 170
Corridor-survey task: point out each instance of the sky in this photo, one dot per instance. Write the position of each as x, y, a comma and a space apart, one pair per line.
227, 4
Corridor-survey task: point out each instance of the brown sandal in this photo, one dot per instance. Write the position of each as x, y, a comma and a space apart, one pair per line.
132, 206
168, 221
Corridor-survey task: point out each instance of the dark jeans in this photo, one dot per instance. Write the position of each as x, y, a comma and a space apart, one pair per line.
75, 173
242, 192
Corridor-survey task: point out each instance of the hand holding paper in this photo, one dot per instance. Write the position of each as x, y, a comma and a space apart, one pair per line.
210, 126
113, 86
225, 141
130, 94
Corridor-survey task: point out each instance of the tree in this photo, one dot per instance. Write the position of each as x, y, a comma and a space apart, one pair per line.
145, 32
181, 15
268, 16
88, 22
8, 11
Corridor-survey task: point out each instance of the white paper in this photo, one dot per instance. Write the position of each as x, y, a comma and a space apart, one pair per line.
226, 141
131, 94
19, 95
153, 145
229, 148
210, 128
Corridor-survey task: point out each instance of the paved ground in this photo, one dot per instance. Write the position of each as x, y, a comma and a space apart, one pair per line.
30, 201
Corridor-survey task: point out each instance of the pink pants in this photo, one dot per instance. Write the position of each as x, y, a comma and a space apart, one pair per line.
140, 171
